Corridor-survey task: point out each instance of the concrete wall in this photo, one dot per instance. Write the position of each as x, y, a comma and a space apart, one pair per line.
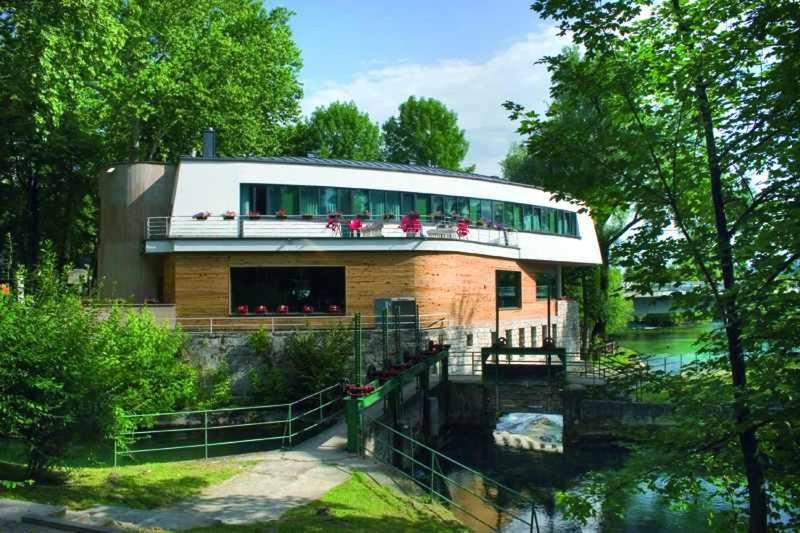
129, 193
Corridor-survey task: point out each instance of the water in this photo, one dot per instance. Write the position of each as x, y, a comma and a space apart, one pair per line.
538, 475
675, 346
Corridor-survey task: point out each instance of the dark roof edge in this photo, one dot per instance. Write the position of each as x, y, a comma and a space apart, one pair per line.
361, 165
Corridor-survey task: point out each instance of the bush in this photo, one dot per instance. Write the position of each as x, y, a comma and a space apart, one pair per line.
317, 359
66, 376
214, 387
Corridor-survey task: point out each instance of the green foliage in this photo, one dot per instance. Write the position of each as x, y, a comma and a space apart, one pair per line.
214, 387
341, 131
425, 132
690, 122
317, 359
261, 342
619, 308
66, 375
101, 80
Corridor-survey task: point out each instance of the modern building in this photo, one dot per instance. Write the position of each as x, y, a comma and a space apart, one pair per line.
277, 238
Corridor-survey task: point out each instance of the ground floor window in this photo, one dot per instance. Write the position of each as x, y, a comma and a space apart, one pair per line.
287, 290
509, 288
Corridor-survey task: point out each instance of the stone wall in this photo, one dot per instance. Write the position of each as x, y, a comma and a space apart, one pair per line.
210, 349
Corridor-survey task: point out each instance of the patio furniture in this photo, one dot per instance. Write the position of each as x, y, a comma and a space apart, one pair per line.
442, 231
374, 229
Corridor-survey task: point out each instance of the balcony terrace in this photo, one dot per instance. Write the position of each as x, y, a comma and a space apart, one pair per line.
321, 227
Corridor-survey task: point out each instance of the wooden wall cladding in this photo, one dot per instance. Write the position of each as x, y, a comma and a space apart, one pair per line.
459, 285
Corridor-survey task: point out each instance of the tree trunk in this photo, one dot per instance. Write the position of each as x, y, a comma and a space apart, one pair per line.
748, 440
34, 223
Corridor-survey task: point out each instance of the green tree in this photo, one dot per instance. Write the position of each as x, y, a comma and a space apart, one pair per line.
576, 152
341, 131
705, 90
86, 83
425, 132
67, 374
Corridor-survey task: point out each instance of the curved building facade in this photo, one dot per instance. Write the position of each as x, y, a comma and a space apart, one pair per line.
312, 238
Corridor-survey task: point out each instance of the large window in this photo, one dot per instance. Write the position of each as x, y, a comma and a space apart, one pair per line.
509, 288
545, 285
301, 289
294, 200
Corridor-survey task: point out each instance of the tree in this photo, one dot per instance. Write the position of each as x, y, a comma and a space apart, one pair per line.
705, 89
425, 132
101, 81
341, 131
67, 376
576, 152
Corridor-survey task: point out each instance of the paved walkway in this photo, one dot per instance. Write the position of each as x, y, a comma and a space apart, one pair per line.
279, 481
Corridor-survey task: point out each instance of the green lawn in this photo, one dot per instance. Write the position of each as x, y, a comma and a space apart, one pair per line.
358, 504
142, 486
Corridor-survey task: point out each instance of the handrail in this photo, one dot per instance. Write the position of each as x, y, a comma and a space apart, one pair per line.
432, 321
437, 457
292, 415
317, 227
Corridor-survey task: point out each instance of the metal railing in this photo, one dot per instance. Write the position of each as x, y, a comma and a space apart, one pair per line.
316, 227
433, 471
433, 321
262, 423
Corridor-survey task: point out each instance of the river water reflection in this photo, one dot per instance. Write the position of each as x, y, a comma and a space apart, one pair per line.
539, 475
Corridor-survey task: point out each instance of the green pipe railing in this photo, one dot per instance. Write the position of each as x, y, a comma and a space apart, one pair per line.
294, 412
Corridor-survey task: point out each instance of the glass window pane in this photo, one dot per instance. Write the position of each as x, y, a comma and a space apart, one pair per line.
343, 201
437, 205
245, 200
360, 202
377, 203
423, 204
393, 203
544, 282
309, 201
509, 289
527, 218
290, 199
552, 225
462, 204
328, 200
450, 207
486, 210
498, 213
408, 202
273, 199
508, 214
474, 209
517, 216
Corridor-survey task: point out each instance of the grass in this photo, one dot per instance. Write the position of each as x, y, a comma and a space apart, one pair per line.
143, 486
359, 504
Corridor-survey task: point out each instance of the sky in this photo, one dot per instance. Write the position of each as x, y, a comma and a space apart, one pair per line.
471, 54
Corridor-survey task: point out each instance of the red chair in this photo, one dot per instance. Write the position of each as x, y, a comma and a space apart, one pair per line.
242, 310
261, 310
462, 229
334, 309
307, 309
283, 309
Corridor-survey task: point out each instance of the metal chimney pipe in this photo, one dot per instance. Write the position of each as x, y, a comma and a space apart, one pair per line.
209, 144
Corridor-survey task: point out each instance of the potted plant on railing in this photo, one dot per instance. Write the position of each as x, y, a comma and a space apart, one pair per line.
242, 309
202, 215
438, 216
388, 216
334, 309
253, 215
366, 215
229, 215
280, 214
333, 222
308, 216
480, 223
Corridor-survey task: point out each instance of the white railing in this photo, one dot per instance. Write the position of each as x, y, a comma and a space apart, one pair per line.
433, 321
299, 227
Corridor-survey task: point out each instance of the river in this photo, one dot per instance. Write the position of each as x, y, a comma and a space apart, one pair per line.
539, 475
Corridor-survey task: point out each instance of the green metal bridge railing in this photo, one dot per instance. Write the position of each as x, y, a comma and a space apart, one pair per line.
424, 466
291, 421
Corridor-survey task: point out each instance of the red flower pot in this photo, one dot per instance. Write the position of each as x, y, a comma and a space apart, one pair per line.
242, 310
261, 310
307, 309
283, 309
334, 309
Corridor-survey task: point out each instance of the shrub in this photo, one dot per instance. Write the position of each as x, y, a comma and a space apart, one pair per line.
261, 342
214, 387
66, 376
317, 359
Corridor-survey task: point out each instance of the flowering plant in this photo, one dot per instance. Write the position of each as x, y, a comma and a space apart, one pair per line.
202, 215
229, 215
254, 215
280, 213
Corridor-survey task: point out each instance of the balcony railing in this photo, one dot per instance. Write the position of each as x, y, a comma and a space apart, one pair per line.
301, 227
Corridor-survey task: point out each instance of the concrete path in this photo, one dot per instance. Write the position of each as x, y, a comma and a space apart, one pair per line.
11, 511
281, 480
